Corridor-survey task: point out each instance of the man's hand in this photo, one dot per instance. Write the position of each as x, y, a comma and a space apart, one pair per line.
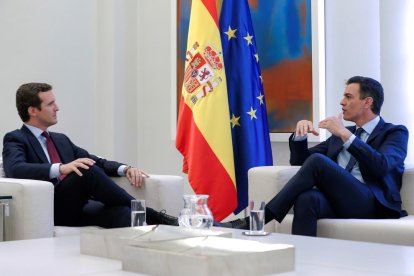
135, 176
74, 166
304, 127
335, 126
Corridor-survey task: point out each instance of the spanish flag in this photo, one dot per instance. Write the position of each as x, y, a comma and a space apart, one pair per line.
203, 127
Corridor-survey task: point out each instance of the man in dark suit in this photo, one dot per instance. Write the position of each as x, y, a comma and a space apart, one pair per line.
84, 191
356, 173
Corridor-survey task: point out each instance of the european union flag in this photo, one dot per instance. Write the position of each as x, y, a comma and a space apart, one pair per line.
248, 117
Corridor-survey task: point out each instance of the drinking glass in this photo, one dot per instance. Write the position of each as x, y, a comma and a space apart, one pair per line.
257, 217
137, 212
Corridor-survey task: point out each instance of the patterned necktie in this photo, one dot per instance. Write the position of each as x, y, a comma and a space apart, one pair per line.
352, 160
51, 149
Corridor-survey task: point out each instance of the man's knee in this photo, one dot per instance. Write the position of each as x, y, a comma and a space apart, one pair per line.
318, 162
92, 170
317, 158
94, 174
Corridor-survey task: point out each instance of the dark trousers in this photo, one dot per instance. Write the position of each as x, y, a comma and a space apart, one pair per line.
322, 189
93, 199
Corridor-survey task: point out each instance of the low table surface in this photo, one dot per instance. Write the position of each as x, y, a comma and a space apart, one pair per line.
314, 256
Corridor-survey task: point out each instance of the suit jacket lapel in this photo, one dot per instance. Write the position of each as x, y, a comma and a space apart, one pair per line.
377, 130
35, 144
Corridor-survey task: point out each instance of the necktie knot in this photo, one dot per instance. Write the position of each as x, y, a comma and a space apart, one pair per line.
45, 134
358, 132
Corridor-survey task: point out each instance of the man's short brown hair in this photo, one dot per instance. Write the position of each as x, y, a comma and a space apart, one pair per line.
28, 95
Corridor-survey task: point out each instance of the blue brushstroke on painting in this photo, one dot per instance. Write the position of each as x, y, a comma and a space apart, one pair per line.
279, 34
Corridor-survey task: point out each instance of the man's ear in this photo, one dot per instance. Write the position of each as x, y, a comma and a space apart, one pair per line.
369, 101
32, 111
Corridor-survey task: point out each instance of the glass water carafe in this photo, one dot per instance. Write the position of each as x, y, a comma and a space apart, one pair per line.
195, 213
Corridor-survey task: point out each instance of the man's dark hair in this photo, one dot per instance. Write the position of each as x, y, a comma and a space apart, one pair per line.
370, 88
28, 95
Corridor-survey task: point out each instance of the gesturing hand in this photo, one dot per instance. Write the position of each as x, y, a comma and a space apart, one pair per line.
135, 176
304, 127
335, 126
74, 166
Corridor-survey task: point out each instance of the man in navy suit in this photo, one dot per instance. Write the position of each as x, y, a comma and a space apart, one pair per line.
84, 191
356, 173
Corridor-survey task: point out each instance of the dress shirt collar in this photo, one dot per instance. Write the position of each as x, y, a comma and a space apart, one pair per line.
369, 127
37, 132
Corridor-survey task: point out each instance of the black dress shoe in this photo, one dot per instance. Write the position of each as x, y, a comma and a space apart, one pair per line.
243, 223
166, 219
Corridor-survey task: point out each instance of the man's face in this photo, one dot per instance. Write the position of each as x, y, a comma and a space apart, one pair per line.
46, 116
353, 108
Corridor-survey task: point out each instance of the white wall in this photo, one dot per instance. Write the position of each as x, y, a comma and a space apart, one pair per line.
110, 64
397, 64
88, 51
41, 41
156, 100
352, 46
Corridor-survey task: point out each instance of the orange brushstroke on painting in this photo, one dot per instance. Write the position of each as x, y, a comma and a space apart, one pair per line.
287, 82
253, 4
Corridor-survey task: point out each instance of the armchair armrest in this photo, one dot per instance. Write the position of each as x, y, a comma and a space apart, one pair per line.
265, 182
161, 192
407, 189
31, 209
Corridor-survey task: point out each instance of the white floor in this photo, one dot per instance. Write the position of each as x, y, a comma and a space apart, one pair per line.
314, 256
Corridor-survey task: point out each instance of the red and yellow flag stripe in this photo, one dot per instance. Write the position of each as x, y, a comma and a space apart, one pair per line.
203, 128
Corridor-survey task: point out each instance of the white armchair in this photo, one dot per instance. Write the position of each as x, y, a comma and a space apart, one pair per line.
31, 209
266, 182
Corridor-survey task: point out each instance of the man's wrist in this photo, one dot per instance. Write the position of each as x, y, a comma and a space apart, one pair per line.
297, 138
126, 169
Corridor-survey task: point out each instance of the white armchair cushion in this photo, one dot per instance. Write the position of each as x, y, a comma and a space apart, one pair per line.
31, 209
407, 189
2, 174
265, 182
161, 192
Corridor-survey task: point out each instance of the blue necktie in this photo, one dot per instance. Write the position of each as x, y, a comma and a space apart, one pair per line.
352, 160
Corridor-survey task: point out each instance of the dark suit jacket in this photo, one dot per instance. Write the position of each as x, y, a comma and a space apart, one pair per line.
23, 156
381, 159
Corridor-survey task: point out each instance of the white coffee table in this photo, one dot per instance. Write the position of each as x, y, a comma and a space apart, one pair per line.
322, 256
314, 256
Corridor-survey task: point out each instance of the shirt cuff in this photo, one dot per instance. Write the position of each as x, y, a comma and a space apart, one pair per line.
121, 170
348, 143
299, 138
54, 170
